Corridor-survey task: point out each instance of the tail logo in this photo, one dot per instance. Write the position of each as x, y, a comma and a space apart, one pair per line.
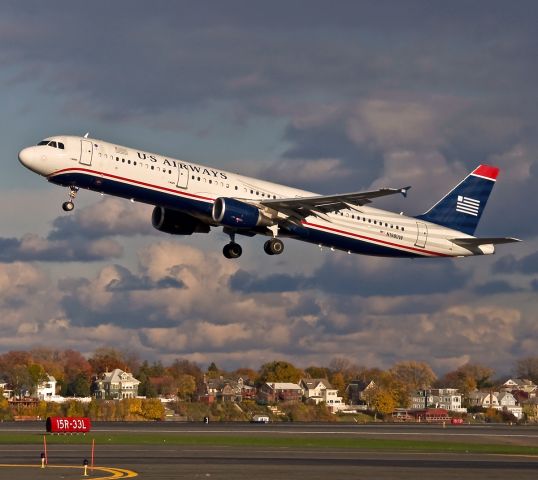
467, 205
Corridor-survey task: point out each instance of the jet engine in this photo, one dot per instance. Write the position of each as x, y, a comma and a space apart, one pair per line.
176, 223
236, 214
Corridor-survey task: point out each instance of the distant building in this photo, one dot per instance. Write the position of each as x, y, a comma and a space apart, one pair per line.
276, 392
115, 385
225, 390
317, 390
502, 401
46, 390
447, 398
521, 384
357, 391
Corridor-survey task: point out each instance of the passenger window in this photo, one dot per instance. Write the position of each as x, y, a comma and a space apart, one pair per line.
236, 187
153, 167
134, 163
123, 160
129, 162
210, 181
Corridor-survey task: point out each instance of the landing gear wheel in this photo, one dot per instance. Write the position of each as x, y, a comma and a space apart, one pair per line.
232, 250
273, 246
68, 206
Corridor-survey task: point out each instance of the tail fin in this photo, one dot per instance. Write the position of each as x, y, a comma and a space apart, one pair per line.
462, 207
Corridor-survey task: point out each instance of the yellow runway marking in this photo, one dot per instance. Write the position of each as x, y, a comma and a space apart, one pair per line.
115, 473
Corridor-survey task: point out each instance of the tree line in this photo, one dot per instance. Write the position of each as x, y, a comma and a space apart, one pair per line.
25, 370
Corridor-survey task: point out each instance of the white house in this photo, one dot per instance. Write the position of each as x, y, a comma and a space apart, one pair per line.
447, 398
319, 390
508, 403
46, 390
504, 401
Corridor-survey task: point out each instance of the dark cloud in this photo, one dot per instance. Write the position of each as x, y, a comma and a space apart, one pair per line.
527, 265
495, 287
31, 248
127, 281
396, 277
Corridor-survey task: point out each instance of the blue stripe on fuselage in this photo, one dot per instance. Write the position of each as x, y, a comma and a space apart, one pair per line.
199, 208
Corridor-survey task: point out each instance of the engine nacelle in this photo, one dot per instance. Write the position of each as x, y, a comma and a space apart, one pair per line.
233, 213
176, 223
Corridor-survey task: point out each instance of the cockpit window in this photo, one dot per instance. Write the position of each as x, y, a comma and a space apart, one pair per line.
52, 143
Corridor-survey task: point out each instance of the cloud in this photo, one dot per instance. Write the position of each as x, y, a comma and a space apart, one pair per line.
527, 265
108, 217
34, 248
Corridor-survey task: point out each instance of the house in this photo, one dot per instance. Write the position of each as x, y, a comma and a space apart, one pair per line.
317, 390
504, 401
46, 390
447, 398
508, 403
275, 392
225, 390
115, 385
483, 399
357, 391
522, 384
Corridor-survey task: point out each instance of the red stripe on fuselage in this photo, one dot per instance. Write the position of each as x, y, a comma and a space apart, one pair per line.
392, 244
130, 180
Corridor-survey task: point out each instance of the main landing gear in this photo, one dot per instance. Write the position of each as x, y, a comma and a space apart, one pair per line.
273, 246
70, 204
234, 250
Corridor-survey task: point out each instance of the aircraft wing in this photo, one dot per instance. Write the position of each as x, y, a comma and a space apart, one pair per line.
475, 242
304, 206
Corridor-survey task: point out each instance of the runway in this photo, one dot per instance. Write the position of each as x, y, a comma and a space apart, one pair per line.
223, 462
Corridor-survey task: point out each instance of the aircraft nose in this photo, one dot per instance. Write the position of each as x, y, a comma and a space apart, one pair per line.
26, 156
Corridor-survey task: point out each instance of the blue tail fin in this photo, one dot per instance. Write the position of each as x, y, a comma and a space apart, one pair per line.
462, 207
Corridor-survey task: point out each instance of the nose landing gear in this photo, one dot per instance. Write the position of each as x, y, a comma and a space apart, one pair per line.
70, 204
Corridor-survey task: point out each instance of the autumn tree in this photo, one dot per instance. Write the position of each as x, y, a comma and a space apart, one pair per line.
180, 367
467, 378
279, 371
382, 401
415, 375
316, 372
106, 359
186, 387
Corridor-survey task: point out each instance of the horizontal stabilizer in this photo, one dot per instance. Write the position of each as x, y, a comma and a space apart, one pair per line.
475, 242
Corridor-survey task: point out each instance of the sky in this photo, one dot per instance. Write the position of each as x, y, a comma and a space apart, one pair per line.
330, 97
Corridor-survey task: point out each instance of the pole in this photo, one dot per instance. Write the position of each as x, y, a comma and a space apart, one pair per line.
45, 446
93, 451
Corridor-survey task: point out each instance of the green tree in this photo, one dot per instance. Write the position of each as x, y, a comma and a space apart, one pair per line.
79, 386
186, 387
37, 375
279, 371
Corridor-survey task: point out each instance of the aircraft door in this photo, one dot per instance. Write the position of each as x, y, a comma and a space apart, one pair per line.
182, 176
86, 152
422, 235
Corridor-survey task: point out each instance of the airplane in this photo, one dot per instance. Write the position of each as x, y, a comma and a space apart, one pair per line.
189, 198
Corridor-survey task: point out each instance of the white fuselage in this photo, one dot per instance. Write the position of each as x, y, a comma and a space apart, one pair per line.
154, 179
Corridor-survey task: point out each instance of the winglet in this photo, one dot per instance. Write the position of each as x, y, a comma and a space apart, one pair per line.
86, 136
404, 191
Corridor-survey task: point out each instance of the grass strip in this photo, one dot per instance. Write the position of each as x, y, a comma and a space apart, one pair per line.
273, 441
